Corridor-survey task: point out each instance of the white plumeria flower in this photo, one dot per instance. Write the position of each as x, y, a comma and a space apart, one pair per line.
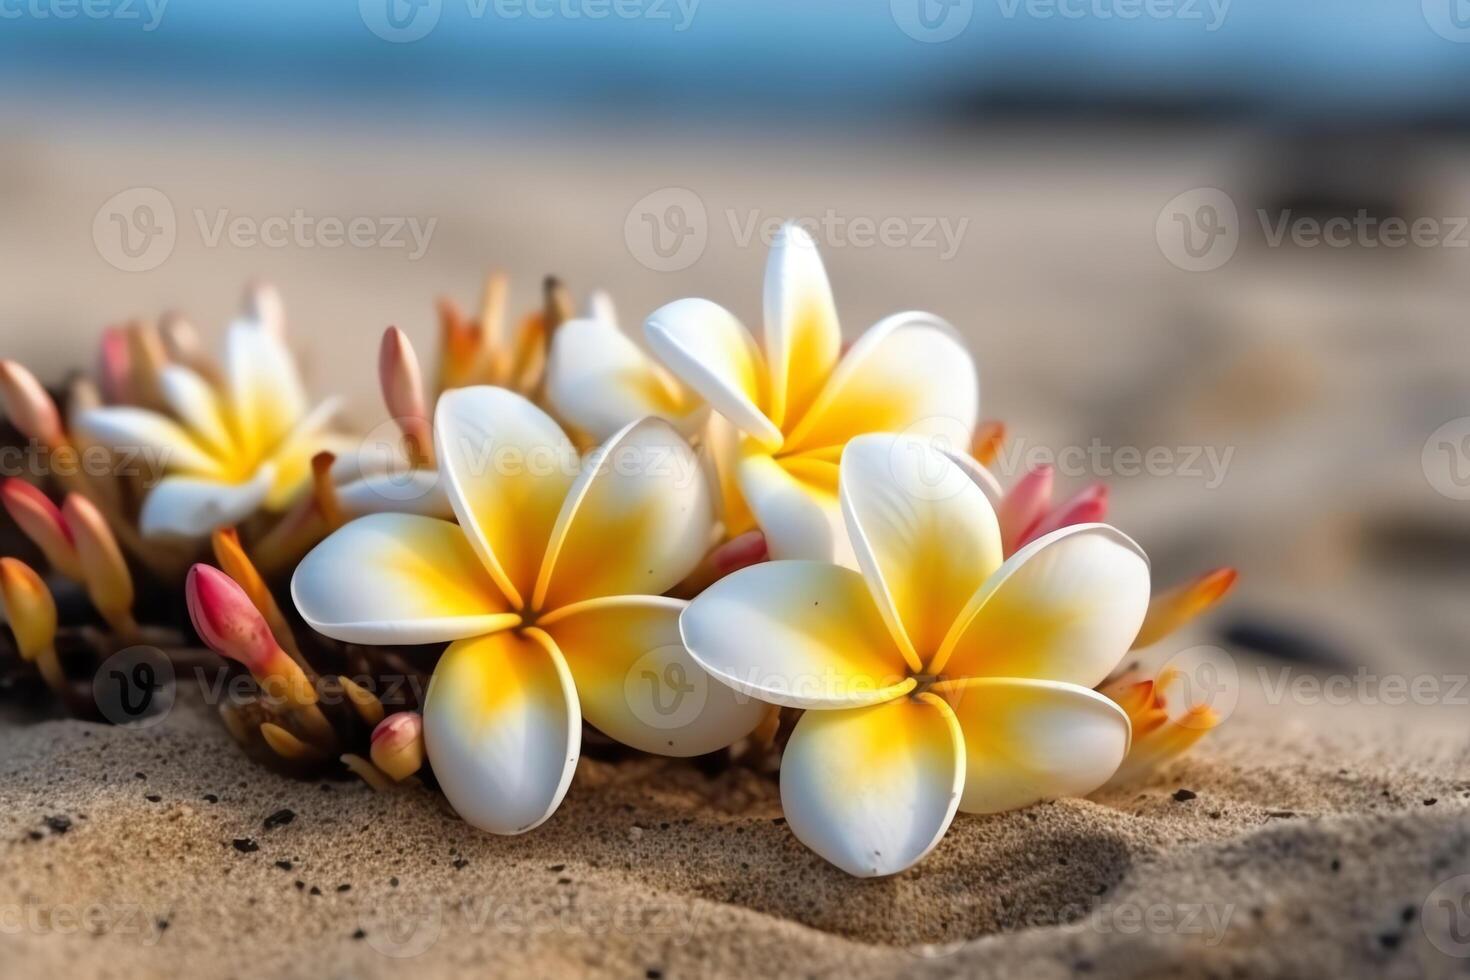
793, 399
549, 586
228, 450
939, 677
599, 380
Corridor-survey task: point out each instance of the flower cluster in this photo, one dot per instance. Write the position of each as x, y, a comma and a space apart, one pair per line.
768, 545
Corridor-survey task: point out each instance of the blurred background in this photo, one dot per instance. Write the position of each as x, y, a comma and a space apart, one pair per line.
1211, 252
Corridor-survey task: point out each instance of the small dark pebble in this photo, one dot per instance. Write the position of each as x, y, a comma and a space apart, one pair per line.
1390, 940
300, 885
778, 821
139, 775
1214, 814
653, 973
1083, 966
279, 819
284, 865
563, 881
35, 835
1336, 865
210, 798
58, 824
153, 798
314, 890
393, 881
245, 845
1184, 795
460, 863
1407, 915
344, 888
1431, 801
556, 867
162, 924
1280, 813
359, 934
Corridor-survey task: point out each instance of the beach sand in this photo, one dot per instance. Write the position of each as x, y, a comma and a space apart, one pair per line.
1316, 834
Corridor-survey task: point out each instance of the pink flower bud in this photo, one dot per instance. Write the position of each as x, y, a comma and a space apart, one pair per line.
42, 522
1023, 507
226, 619
28, 406
398, 745
1088, 507
403, 392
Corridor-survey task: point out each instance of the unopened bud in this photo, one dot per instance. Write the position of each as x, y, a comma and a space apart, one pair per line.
398, 745
29, 607
42, 522
28, 406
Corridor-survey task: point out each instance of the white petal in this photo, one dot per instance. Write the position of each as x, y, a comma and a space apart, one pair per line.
924, 534
267, 398
796, 633
198, 405
712, 352
802, 338
981, 477
638, 519
638, 684
599, 381
396, 492
192, 507
873, 789
795, 502
1027, 741
502, 729
156, 438
397, 578
910, 373
507, 469
1066, 608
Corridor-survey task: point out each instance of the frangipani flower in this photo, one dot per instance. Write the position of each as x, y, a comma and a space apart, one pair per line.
792, 399
226, 450
941, 676
598, 380
549, 588
1165, 724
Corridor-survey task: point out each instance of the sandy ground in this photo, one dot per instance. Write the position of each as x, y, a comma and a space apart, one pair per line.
1317, 834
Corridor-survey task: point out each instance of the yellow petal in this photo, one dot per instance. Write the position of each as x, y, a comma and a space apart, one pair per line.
398, 578
712, 352
507, 468
795, 502
1065, 607
1028, 740
909, 373
266, 396
638, 683
873, 789
925, 536
796, 633
802, 339
503, 730
638, 520
194, 401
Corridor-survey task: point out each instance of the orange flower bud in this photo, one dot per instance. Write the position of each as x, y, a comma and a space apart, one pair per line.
29, 407
105, 573
989, 437
398, 745
42, 522
29, 606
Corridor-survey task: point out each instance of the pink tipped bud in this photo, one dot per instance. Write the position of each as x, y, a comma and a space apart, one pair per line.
1023, 507
740, 551
105, 572
226, 620
28, 406
1088, 507
230, 625
115, 366
398, 745
42, 522
403, 392
29, 607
